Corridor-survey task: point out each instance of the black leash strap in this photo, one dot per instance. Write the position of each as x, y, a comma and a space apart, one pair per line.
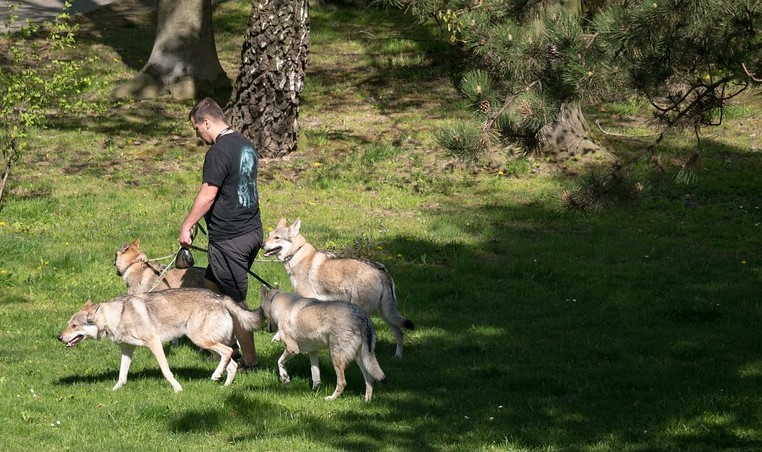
268, 285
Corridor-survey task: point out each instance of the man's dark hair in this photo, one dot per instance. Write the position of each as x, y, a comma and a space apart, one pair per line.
206, 108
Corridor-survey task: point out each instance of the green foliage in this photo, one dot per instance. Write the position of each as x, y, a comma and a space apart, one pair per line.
599, 189
39, 78
518, 167
463, 140
687, 58
379, 153
476, 85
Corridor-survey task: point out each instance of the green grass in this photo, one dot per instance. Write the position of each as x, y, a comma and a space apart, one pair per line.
539, 329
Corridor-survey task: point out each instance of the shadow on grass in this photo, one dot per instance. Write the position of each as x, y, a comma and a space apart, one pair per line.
635, 329
540, 329
183, 372
545, 330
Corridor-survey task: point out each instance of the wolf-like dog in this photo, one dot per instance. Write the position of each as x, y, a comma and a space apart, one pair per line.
141, 275
315, 274
153, 318
307, 325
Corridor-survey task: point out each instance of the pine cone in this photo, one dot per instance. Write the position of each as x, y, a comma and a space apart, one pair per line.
484, 106
524, 110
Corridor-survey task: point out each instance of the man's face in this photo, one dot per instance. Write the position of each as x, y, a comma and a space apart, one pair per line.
202, 131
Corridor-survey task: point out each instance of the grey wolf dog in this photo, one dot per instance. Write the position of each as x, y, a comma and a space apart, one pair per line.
153, 318
307, 325
141, 275
315, 274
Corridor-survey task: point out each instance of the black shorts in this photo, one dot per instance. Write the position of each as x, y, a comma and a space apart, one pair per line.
229, 262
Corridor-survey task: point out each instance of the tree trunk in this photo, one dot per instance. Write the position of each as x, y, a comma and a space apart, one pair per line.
568, 136
184, 60
264, 104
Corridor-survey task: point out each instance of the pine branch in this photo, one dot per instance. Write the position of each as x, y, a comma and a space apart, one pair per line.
750, 74
490, 122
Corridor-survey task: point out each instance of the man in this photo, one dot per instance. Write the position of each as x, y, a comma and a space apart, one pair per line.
229, 203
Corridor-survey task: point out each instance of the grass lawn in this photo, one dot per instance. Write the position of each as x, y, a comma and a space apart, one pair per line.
538, 329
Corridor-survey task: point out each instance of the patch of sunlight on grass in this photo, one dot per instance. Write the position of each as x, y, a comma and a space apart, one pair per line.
748, 434
490, 331
612, 442
741, 111
432, 334
752, 369
700, 425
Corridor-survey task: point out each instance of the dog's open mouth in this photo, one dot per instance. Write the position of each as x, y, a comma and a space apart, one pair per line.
77, 339
273, 251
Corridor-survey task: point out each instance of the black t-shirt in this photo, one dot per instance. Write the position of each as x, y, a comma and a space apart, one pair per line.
231, 164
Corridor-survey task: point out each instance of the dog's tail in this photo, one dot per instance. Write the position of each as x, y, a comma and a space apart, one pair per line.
389, 310
367, 354
249, 320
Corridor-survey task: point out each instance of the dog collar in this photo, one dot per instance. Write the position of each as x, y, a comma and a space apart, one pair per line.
126, 270
288, 258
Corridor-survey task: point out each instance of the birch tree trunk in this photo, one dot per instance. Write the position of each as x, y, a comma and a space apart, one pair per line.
264, 104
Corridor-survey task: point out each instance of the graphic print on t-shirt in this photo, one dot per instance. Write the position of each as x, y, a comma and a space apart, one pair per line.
247, 185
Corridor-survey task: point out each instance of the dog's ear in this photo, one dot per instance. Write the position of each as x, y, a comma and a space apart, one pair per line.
263, 292
92, 313
89, 308
281, 224
294, 228
136, 242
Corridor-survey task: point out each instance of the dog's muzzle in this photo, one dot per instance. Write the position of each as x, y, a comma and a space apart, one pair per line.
71, 343
273, 251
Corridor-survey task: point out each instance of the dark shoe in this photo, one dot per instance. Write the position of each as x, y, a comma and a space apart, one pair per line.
243, 367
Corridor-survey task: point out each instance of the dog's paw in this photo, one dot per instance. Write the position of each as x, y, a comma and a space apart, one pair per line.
118, 385
315, 385
275, 338
285, 379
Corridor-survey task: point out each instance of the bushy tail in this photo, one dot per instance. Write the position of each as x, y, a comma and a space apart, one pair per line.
368, 354
389, 311
249, 320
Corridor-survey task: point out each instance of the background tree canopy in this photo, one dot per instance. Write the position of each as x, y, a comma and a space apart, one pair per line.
532, 60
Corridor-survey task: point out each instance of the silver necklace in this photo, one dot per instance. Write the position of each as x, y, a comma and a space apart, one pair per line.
222, 132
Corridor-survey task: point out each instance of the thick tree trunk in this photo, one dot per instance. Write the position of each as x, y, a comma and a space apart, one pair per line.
264, 104
184, 60
568, 136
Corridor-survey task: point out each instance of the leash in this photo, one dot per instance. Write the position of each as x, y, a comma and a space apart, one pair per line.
268, 285
164, 272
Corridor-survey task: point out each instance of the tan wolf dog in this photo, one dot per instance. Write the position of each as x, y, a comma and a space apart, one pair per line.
315, 274
141, 275
153, 318
307, 325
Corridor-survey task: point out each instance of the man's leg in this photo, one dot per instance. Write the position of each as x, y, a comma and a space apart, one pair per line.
229, 261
